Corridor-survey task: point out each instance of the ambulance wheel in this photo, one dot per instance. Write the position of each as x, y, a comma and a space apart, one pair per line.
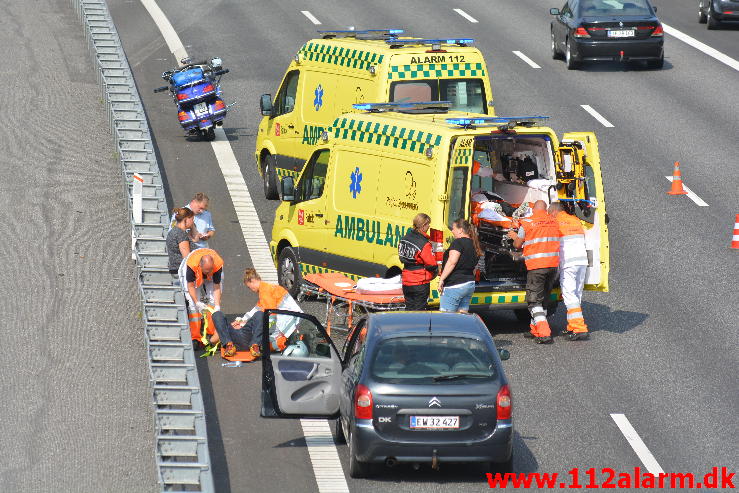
570, 61
269, 174
288, 271
210, 134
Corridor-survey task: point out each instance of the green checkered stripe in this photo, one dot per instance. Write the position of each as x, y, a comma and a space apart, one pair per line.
462, 156
343, 57
315, 269
498, 299
282, 172
394, 136
425, 71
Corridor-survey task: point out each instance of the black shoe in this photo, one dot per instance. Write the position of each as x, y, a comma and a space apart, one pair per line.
528, 335
576, 336
544, 340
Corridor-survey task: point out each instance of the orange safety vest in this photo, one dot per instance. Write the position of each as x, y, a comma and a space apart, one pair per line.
572, 250
193, 262
541, 241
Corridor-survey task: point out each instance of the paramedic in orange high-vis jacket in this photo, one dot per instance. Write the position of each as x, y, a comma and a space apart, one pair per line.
539, 234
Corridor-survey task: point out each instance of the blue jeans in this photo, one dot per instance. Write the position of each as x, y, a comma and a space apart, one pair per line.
457, 298
243, 338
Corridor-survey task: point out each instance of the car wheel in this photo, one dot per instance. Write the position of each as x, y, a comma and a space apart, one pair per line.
556, 55
570, 61
711, 22
288, 271
701, 13
357, 469
656, 64
269, 175
339, 436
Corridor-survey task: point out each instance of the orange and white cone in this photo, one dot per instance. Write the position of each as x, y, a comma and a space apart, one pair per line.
735, 238
677, 182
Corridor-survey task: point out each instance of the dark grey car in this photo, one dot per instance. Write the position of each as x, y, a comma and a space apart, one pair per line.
714, 12
413, 387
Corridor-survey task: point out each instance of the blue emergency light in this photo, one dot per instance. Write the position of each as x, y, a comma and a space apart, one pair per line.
398, 106
424, 41
496, 120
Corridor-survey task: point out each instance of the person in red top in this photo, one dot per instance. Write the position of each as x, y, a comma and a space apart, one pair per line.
539, 235
419, 263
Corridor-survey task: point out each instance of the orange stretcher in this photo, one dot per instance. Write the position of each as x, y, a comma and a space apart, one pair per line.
340, 295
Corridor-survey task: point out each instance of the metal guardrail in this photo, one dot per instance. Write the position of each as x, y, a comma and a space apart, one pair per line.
182, 457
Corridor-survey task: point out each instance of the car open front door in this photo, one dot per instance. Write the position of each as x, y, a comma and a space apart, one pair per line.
578, 173
305, 379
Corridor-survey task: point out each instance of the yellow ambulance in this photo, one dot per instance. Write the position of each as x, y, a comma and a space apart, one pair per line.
330, 74
360, 190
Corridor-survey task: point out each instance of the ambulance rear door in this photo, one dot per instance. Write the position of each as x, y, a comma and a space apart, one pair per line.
458, 185
581, 185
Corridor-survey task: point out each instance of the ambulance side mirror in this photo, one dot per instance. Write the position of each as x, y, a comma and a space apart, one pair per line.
287, 188
265, 104
504, 354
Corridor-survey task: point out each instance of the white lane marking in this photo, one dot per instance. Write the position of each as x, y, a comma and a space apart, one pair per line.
637, 444
712, 52
691, 194
323, 453
324, 456
466, 15
526, 59
310, 17
596, 115
168, 33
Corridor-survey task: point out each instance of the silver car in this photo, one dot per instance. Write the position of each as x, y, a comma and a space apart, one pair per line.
411, 387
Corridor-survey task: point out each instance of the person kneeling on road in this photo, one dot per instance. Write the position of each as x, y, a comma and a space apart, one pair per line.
246, 333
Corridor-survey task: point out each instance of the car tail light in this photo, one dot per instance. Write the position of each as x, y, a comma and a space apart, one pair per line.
182, 115
209, 88
363, 403
580, 32
437, 243
504, 404
658, 31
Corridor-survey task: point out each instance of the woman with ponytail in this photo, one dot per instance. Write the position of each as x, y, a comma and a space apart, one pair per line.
178, 239
457, 279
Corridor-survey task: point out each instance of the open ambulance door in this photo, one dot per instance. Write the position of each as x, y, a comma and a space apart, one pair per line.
581, 185
458, 186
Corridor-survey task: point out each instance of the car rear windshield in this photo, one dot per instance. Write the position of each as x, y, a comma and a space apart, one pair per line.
596, 8
465, 94
433, 360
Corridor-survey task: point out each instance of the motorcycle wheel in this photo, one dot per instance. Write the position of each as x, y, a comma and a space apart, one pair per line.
210, 134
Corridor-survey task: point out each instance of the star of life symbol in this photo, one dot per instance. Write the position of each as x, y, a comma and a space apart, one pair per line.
318, 100
356, 185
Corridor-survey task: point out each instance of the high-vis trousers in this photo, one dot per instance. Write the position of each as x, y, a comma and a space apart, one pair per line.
572, 280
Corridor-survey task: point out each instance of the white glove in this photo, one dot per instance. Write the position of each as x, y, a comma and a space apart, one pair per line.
217, 308
200, 306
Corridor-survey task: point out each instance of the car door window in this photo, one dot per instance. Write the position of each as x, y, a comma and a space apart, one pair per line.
312, 181
566, 12
285, 101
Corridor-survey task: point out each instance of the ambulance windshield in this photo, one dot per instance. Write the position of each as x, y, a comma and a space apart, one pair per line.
466, 95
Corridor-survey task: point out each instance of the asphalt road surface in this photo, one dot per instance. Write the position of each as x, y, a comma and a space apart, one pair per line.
664, 345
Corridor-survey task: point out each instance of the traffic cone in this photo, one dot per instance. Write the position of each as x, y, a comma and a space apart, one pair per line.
677, 182
735, 238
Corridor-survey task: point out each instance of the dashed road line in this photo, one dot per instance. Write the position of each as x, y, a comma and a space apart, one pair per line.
310, 17
691, 194
526, 59
637, 444
323, 453
712, 52
596, 115
466, 15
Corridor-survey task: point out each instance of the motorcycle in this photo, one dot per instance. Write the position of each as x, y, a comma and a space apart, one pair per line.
195, 88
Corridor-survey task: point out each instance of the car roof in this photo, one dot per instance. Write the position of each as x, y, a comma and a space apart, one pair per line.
402, 324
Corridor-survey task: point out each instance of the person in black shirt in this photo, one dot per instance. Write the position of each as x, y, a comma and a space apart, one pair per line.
457, 279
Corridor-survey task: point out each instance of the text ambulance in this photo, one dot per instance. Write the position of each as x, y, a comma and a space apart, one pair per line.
359, 192
331, 74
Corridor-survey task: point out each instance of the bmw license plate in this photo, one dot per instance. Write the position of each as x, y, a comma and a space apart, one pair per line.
621, 33
434, 422
201, 109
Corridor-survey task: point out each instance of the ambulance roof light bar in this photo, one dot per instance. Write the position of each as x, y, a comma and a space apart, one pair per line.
397, 43
401, 106
499, 121
363, 34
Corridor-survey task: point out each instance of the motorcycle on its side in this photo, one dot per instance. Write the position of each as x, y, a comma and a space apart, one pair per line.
195, 88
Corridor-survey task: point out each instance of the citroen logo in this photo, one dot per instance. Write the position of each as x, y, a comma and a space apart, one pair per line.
434, 402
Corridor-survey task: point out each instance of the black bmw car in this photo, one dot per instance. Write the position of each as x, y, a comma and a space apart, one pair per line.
607, 30
713, 12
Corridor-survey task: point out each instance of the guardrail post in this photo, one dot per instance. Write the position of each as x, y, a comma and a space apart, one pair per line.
137, 208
